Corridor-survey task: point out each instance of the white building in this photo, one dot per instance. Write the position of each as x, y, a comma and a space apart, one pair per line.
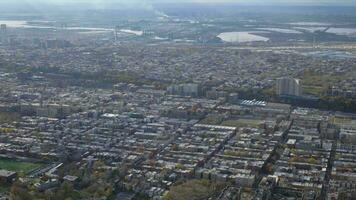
190, 89
288, 86
348, 134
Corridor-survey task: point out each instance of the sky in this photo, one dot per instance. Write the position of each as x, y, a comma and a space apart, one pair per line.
251, 2
102, 4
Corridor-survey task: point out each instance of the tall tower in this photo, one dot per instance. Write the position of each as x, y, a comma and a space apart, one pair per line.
117, 31
3, 32
3, 28
64, 26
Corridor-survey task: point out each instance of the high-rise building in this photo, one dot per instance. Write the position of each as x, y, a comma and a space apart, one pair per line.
288, 86
116, 33
189, 89
3, 28
3, 32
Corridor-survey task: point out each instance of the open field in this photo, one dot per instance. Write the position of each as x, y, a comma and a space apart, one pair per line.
17, 166
6, 117
194, 190
313, 90
212, 120
317, 84
4, 189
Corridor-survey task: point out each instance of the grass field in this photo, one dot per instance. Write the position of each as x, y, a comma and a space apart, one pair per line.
242, 122
194, 190
212, 120
314, 90
7, 117
317, 84
17, 166
4, 189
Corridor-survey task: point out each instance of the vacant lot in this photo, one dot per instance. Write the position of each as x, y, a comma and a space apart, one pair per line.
8, 117
317, 84
17, 166
194, 190
212, 120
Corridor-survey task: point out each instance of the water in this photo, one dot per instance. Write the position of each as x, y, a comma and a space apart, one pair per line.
83, 30
93, 32
24, 24
241, 37
14, 23
139, 33
311, 29
281, 30
331, 54
160, 38
343, 31
310, 24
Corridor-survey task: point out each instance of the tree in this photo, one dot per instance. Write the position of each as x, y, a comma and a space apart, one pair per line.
66, 191
269, 168
175, 147
180, 166
20, 192
166, 195
312, 160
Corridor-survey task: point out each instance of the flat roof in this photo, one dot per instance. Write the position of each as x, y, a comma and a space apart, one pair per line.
5, 173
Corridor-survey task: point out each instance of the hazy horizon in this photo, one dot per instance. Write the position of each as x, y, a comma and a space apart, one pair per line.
149, 2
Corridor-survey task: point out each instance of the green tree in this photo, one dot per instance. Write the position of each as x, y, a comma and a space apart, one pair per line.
19, 191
